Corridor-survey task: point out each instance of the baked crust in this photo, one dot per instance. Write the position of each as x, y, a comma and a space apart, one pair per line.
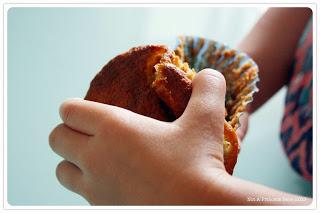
125, 82
173, 84
153, 81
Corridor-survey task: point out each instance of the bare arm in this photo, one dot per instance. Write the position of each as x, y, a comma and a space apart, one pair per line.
272, 43
235, 191
114, 156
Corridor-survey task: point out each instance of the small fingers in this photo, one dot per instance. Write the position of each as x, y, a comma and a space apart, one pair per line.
68, 143
70, 176
81, 115
91, 117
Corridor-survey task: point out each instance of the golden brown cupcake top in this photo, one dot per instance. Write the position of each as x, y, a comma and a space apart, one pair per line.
152, 81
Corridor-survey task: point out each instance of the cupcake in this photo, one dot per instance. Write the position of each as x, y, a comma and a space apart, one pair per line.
155, 81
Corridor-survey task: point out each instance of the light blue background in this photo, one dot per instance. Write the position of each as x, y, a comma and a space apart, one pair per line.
53, 53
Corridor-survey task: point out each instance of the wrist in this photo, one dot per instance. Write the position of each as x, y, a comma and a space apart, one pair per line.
210, 188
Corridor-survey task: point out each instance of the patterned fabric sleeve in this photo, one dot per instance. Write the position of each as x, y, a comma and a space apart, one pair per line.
296, 127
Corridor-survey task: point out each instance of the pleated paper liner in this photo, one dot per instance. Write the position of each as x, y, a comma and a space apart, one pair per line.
239, 70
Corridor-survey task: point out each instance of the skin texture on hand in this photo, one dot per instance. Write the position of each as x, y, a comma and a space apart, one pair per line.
114, 156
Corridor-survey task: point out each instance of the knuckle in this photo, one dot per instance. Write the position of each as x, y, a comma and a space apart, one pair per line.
52, 139
67, 109
90, 162
53, 135
85, 160
114, 123
59, 170
66, 178
82, 159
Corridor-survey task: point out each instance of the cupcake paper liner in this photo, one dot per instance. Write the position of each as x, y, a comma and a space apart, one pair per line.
239, 70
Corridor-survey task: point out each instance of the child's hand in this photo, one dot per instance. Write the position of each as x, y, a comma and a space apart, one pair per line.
115, 156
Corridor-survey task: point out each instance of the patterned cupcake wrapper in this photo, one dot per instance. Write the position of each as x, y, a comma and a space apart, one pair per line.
239, 70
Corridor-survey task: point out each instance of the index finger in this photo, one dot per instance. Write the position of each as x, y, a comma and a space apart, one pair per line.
81, 115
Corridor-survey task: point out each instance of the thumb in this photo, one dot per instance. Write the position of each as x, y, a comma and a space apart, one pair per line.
207, 103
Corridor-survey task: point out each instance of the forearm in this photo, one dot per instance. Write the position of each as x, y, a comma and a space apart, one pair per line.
272, 43
230, 190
